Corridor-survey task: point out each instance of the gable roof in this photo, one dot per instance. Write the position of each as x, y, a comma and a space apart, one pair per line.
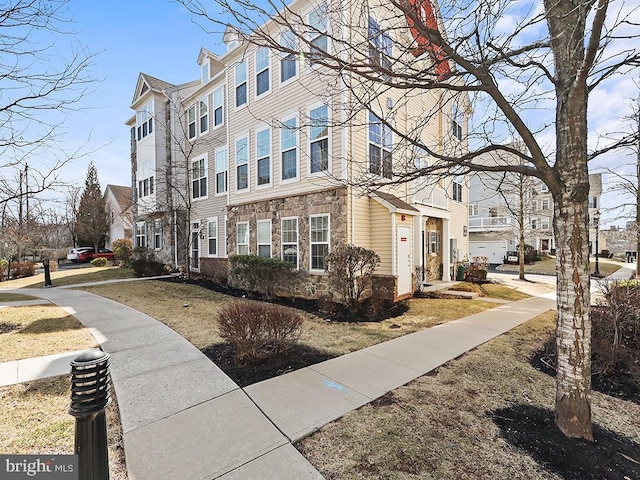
147, 82
393, 203
122, 195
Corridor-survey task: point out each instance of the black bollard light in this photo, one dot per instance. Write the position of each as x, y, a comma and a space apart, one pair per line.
47, 273
89, 398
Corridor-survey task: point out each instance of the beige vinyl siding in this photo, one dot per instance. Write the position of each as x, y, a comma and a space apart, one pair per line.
381, 236
459, 219
361, 221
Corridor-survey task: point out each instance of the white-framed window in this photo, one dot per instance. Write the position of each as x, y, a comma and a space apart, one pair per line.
242, 238
141, 234
240, 71
289, 148
380, 46
288, 60
421, 161
191, 122
157, 234
203, 111
544, 224
433, 245
242, 163
264, 238
205, 71
474, 210
218, 107
263, 64
545, 204
319, 240
289, 237
195, 246
144, 121
534, 206
263, 156
456, 121
456, 188
543, 187
319, 139
212, 237
199, 178
534, 224
318, 23
222, 166
380, 147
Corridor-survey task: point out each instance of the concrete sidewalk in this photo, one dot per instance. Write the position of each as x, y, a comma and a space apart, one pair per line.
183, 418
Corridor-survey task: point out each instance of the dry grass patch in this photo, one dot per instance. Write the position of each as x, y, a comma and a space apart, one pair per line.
15, 297
502, 292
35, 421
41, 330
73, 276
441, 426
547, 266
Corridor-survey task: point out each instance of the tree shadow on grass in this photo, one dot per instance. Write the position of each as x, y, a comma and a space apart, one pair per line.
298, 356
533, 429
50, 325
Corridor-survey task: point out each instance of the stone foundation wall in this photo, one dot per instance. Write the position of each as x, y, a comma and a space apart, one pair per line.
332, 202
217, 269
385, 285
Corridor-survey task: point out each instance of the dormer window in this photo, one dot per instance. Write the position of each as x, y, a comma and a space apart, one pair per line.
206, 74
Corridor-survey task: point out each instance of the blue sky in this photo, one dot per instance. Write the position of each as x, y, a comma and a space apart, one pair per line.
159, 37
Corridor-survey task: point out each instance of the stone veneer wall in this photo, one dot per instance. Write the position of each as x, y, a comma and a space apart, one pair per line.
217, 269
434, 262
333, 202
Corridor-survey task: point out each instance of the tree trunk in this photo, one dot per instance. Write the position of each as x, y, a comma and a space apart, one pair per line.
521, 220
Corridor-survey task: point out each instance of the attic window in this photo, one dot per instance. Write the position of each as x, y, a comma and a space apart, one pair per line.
144, 88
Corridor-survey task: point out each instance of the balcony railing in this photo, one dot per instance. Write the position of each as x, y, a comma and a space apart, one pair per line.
432, 197
477, 224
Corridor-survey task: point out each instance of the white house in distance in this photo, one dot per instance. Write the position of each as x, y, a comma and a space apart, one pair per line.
266, 156
119, 203
498, 200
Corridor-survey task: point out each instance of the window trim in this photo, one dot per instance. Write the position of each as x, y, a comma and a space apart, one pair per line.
244, 244
287, 56
246, 164
218, 151
311, 140
313, 34
210, 221
385, 130
266, 69
380, 43
457, 183
244, 82
296, 148
269, 156
311, 242
205, 158
216, 106
204, 101
258, 242
283, 243
140, 232
433, 240
193, 122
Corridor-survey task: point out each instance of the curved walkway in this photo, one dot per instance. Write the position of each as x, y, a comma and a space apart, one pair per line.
183, 418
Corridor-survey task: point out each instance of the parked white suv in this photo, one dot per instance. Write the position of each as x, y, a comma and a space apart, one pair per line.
73, 253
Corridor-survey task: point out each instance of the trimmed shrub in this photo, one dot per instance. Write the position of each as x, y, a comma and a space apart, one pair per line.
145, 264
258, 330
123, 250
350, 269
99, 262
263, 275
22, 269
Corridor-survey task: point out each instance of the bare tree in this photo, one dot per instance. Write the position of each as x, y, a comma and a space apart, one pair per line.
92, 223
513, 73
39, 87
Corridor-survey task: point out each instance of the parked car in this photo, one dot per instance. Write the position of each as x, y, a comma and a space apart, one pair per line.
88, 255
74, 252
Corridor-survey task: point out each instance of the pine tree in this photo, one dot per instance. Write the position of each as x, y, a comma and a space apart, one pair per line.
92, 222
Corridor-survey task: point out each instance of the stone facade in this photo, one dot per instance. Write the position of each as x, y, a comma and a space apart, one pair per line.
217, 269
434, 260
332, 202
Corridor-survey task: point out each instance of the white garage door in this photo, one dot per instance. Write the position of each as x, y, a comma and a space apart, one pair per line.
495, 250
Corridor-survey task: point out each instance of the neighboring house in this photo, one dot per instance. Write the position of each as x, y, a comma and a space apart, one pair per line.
119, 204
276, 169
499, 202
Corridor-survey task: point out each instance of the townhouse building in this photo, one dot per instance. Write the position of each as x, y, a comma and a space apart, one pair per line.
498, 203
274, 154
118, 200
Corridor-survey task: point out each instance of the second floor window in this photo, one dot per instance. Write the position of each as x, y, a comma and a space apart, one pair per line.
380, 147
289, 61
191, 122
263, 156
318, 22
456, 121
199, 178
289, 148
204, 114
319, 137
262, 71
242, 163
241, 83
380, 46
456, 188
217, 107
222, 166
474, 210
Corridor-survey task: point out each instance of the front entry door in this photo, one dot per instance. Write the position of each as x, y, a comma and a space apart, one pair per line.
404, 260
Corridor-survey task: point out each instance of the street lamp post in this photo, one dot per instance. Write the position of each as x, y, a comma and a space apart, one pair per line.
596, 220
